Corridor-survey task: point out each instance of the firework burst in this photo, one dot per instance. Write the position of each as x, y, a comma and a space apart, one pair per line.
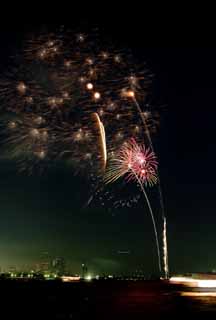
133, 161
66, 79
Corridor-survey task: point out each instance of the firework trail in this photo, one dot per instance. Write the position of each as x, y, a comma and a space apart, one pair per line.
102, 139
153, 220
136, 163
144, 120
165, 250
102, 145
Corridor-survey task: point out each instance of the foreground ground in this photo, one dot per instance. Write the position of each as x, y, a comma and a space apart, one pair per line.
102, 300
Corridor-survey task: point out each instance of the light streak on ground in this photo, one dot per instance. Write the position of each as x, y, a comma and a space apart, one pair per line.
195, 283
70, 279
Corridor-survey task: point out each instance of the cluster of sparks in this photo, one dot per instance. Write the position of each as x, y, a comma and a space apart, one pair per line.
69, 98
62, 85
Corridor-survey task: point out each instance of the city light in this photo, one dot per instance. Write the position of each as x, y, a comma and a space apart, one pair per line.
70, 279
88, 277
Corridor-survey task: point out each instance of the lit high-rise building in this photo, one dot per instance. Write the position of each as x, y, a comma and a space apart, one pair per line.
84, 270
58, 266
45, 262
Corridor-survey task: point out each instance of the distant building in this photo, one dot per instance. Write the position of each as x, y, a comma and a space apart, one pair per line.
58, 266
45, 263
12, 269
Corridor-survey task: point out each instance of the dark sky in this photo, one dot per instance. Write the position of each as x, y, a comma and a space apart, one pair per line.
43, 213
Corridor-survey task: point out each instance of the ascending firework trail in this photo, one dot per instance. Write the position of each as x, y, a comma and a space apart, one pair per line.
165, 247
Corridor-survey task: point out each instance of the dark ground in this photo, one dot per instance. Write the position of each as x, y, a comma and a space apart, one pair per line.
100, 300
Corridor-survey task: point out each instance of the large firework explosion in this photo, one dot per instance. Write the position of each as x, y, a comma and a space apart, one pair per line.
58, 82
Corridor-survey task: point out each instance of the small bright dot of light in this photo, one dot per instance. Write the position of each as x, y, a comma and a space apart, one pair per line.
97, 95
89, 86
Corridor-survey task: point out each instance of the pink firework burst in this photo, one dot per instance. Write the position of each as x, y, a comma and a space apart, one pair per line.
135, 162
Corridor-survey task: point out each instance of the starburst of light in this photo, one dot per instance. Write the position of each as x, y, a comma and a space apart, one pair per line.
133, 161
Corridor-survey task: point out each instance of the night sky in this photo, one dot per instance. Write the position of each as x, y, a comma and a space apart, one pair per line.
44, 213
